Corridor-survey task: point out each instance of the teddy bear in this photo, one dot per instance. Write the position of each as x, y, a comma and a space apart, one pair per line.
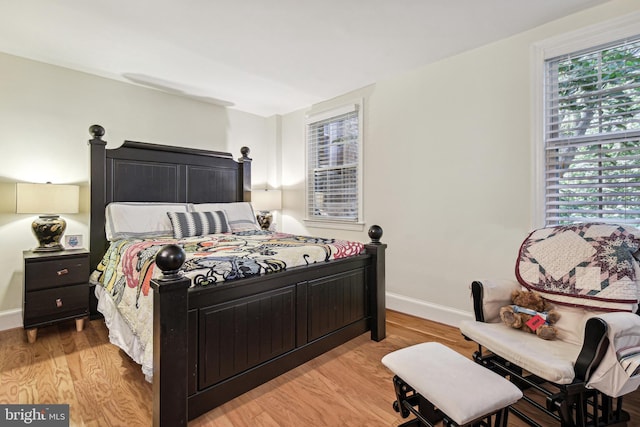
526, 305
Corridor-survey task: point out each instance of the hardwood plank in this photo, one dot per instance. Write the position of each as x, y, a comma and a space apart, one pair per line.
347, 386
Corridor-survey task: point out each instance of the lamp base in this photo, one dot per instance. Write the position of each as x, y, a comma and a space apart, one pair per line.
48, 229
264, 219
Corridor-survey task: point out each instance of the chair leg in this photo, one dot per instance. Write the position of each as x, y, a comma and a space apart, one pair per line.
412, 423
428, 411
566, 415
581, 410
402, 389
501, 417
609, 416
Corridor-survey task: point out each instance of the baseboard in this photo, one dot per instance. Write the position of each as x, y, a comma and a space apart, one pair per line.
10, 319
427, 310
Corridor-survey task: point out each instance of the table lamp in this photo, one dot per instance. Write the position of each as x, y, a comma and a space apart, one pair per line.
48, 200
265, 201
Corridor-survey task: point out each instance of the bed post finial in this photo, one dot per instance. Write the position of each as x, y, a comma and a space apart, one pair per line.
375, 233
96, 131
244, 177
170, 259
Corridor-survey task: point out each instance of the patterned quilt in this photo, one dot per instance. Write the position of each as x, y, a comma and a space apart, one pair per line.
587, 265
128, 266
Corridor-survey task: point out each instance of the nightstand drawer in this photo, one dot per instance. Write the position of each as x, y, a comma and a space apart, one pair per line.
52, 304
57, 272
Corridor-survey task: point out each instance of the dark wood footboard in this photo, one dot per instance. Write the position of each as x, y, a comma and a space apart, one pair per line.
241, 335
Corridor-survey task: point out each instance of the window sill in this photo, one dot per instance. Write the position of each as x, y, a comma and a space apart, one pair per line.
336, 225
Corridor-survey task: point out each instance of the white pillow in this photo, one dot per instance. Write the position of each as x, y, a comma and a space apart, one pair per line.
572, 322
125, 220
239, 214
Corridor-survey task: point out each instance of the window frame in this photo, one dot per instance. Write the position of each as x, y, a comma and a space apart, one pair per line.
312, 117
588, 37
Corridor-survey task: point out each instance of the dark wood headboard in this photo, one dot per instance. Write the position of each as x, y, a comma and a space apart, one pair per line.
143, 172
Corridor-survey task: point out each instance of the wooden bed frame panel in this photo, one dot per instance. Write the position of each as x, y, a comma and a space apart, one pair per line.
274, 322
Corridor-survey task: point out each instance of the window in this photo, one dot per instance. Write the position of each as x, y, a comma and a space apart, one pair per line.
334, 166
592, 135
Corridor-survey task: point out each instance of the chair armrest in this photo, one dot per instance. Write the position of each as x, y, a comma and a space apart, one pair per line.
489, 296
594, 346
598, 363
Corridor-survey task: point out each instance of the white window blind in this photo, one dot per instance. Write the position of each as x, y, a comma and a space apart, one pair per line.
592, 135
333, 166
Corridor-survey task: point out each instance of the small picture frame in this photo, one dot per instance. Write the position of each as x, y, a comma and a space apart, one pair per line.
73, 241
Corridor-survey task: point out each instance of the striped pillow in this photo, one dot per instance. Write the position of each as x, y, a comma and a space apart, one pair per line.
190, 224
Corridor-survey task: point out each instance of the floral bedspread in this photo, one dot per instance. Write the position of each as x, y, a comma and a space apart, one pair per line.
128, 266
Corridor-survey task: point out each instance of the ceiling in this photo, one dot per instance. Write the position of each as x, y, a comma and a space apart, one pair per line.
261, 56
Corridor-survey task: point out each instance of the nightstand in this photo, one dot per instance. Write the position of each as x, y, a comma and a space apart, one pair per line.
56, 288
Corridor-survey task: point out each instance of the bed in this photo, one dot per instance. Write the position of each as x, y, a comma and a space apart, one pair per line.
218, 333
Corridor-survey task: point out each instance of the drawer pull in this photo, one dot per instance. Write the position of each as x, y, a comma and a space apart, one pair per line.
62, 272
59, 302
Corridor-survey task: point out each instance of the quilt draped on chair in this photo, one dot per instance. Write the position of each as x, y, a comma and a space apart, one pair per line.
589, 265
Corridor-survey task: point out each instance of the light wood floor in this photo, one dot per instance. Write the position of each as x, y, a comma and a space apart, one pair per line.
345, 387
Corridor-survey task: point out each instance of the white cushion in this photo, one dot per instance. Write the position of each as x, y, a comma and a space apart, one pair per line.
452, 383
240, 215
125, 220
572, 322
495, 295
552, 360
570, 326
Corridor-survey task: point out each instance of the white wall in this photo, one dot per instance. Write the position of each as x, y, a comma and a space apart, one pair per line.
448, 169
45, 114
448, 162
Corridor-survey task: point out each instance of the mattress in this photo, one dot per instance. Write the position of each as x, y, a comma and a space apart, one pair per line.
124, 275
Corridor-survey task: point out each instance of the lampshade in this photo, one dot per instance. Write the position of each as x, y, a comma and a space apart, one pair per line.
266, 200
47, 198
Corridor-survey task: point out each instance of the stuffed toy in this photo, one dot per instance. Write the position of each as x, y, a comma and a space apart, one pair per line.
531, 313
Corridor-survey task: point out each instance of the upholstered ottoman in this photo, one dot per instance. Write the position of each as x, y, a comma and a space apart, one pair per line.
447, 387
